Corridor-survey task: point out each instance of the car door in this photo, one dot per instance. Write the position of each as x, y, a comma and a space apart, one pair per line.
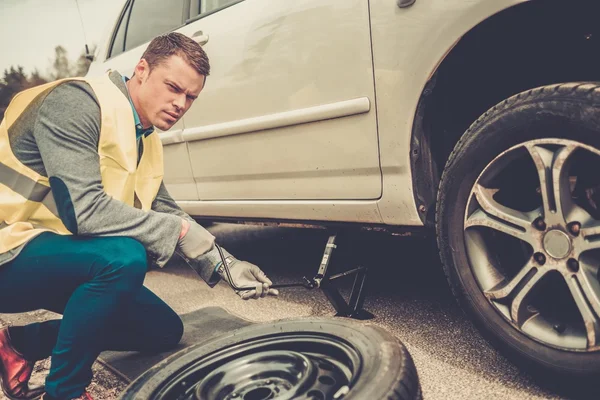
288, 111
139, 22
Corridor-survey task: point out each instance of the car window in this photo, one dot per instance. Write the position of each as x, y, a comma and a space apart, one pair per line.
210, 5
119, 41
150, 18
199, 7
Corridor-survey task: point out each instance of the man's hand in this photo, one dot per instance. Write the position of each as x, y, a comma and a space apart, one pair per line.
245, 274
194, 240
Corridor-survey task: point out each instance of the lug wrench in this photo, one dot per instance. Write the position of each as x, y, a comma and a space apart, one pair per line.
308, 284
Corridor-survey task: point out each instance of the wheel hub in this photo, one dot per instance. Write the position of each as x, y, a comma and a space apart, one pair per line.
557, 244
259, 376
266, 375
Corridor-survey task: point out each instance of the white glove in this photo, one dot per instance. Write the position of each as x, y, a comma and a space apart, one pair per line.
245, 274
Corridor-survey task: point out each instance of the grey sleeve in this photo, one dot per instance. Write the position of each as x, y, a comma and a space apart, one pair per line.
164, 203
205, 265
67, 132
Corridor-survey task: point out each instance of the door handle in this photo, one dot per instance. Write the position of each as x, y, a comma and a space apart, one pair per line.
200, 38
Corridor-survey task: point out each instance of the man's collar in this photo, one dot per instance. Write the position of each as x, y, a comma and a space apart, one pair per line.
139, 129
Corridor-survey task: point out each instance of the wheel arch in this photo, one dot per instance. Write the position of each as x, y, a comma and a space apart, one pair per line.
546, 42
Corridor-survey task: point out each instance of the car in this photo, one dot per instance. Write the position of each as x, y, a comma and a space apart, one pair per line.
476, 120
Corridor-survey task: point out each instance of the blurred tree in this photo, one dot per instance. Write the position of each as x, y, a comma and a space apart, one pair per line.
83, 64
36, 79
14, 80
61, 67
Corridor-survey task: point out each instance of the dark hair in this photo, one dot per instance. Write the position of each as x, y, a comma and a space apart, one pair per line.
164, 46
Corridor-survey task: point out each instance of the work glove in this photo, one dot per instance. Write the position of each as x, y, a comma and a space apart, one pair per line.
245, 274
195, 240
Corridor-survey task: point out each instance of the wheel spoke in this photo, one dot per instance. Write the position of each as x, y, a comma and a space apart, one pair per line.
517, 290
591, 285
585, 294
504, 289
553, 172
591, 236
560, 181
518, 306
498, 217
542, 158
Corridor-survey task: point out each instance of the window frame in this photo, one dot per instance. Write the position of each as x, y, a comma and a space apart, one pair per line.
185, 18
125, 13
206, 14
185, 4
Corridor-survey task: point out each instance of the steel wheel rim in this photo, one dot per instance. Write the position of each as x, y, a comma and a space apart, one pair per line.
559, 239
284, 366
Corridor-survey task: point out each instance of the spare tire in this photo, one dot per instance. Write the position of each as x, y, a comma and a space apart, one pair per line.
292, 359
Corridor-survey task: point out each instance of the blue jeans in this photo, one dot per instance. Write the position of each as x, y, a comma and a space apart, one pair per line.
97, 285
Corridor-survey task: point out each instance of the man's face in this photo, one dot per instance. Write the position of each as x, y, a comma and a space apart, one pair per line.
166, 93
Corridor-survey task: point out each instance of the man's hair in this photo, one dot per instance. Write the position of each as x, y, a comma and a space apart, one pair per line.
164, 46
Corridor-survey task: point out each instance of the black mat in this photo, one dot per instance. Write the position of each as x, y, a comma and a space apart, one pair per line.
200, 325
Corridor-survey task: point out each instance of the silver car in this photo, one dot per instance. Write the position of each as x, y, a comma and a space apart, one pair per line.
476, 119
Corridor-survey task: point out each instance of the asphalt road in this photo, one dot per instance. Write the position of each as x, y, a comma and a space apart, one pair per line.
408, 294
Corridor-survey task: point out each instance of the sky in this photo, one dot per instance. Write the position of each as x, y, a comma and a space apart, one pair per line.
31, 29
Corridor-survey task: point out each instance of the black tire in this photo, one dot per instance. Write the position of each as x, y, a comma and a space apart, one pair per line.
385, 371
566, 111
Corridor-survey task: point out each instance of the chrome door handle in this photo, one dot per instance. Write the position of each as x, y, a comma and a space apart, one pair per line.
200, 38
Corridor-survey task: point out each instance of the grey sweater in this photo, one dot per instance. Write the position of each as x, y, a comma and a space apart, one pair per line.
57, 136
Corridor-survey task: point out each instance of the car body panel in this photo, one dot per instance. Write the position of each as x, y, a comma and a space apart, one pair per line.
408, 45
250, 146
281, 62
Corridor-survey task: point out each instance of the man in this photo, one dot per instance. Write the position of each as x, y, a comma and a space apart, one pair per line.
84, 212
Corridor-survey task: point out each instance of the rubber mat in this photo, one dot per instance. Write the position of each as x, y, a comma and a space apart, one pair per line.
199, 326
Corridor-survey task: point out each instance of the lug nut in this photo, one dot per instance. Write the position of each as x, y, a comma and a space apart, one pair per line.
540, 258
573, 265
574, 228
540, 224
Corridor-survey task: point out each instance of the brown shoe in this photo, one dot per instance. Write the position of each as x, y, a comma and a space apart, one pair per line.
85, 396
15, 372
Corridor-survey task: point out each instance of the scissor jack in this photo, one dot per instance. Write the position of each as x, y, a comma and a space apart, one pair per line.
324, 281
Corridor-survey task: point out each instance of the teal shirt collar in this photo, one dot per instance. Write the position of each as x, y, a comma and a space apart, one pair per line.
139, 129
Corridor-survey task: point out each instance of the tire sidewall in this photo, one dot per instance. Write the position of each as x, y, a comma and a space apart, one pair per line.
568, 117
383, 357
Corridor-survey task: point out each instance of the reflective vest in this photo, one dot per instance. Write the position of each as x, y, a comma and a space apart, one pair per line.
27, 207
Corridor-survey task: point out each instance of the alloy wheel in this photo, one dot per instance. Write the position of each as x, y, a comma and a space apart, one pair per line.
532, 234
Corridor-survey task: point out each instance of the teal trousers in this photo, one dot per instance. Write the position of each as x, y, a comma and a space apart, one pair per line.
97, 286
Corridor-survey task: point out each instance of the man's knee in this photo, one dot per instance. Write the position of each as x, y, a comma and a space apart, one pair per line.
172, 332
176, 332
123, 258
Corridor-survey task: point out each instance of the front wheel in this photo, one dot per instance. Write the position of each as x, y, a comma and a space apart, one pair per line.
518, 226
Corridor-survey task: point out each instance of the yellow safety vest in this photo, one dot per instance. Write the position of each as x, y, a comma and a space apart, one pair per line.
27, 207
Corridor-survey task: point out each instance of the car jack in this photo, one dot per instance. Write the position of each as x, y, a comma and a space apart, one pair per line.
322, 280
